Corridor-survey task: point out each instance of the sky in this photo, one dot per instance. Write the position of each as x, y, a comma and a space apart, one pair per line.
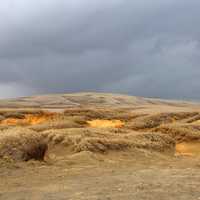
136, 47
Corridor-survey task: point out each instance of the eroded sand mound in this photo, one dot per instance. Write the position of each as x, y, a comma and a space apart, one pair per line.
22, 144
105, 140
99, 130
180, 132
155, 120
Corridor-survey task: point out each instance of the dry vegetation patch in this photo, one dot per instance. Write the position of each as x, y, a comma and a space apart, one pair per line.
155, 120
105, 140
180, 132
93, 130
22, 144
102, 113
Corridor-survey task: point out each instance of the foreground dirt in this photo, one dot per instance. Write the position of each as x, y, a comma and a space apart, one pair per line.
166, 179
99, 147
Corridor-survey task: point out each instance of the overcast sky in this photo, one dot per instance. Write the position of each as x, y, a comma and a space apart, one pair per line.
138, 47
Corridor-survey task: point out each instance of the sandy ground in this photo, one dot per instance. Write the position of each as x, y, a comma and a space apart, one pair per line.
105, 170
175, 179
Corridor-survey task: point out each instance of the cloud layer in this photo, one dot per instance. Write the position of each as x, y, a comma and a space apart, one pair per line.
146, 48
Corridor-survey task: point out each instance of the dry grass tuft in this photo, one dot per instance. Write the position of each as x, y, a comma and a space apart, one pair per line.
22, 144
155, 120
105, 140
14, 115
103, 114
180, 132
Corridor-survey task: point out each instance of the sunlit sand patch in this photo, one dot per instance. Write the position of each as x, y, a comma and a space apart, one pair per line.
28, 120
196, 122
188, 149
106, 123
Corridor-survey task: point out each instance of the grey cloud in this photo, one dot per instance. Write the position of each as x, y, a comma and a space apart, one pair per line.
146, 48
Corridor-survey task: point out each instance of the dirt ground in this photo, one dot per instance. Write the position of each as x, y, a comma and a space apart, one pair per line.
166, 179
101, 147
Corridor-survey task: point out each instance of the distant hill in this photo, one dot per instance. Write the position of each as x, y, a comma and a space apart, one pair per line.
85, 99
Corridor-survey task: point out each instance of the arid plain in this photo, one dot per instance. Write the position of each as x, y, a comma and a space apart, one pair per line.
96, 146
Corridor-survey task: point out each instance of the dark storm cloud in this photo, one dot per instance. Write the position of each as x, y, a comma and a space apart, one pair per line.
147, 48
